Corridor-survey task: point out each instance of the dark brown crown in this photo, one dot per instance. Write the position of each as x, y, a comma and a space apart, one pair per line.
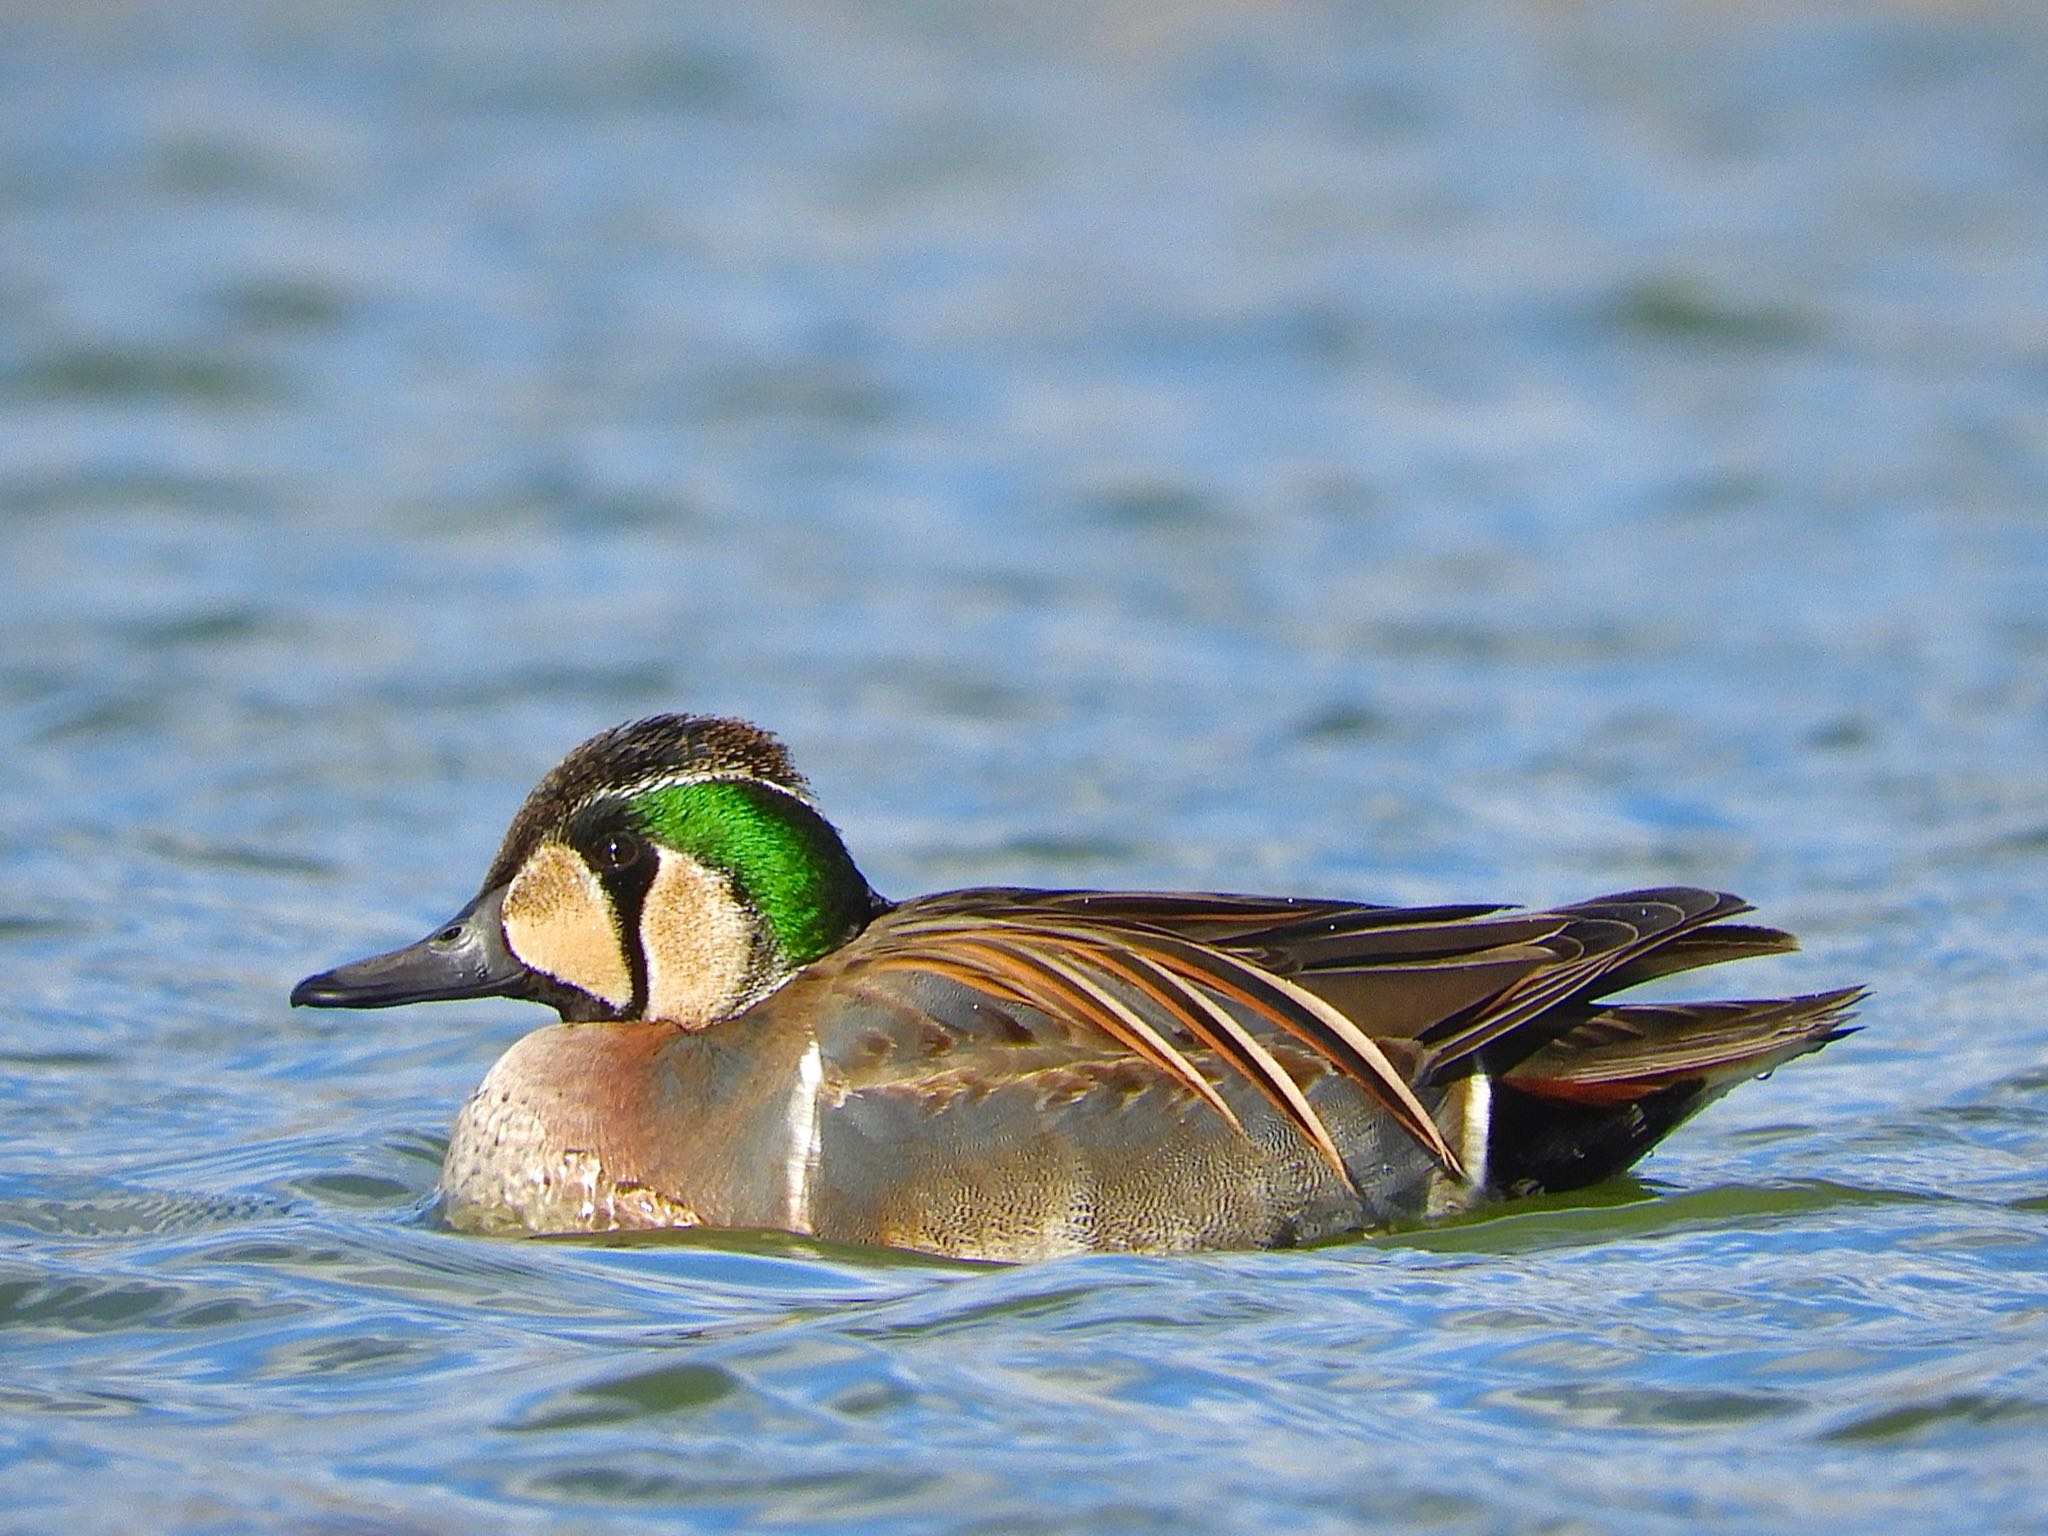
638, 752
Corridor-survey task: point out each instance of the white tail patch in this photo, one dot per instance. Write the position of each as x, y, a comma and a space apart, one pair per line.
802, 1157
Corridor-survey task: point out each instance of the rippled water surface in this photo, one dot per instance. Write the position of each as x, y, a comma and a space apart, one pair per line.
1420, 452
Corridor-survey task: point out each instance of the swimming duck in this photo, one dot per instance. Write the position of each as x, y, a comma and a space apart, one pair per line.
752, 1037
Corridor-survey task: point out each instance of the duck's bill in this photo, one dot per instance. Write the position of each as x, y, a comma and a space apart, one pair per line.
465, 957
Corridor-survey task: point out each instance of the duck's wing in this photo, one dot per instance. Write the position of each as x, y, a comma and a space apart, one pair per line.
1471, 985
1392, 971
1003, 982
1212, 917
1586, 1086
982, 983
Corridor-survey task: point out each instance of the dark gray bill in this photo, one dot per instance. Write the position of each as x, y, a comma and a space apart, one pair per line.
465, 957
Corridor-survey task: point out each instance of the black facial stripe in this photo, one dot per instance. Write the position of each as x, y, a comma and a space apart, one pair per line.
626, 888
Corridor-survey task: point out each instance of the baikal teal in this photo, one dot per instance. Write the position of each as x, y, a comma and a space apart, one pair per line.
752, 1038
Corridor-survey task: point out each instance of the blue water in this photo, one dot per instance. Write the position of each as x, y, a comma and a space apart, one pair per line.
1419, 452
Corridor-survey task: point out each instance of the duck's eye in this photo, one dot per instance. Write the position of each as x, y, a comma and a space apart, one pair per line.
619, 851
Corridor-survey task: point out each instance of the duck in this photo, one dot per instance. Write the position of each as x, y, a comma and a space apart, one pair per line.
750, 1037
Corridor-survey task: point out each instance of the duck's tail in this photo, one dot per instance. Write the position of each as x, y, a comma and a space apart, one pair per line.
1600, 1094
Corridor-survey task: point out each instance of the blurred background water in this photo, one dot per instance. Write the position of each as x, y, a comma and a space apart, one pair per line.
1423, 452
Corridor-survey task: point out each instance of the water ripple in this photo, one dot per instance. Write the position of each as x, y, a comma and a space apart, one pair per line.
1427, 453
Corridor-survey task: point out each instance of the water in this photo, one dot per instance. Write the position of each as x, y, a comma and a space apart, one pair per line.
1421, 452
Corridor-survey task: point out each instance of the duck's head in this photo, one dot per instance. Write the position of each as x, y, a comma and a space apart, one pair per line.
672, 868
